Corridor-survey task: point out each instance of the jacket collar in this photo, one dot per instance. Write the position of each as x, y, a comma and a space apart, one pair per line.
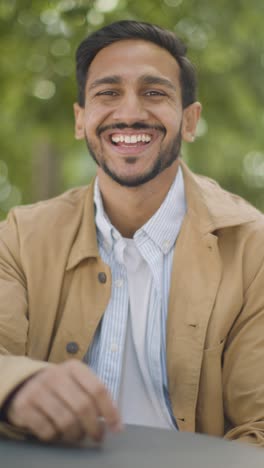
85, 243
210, 207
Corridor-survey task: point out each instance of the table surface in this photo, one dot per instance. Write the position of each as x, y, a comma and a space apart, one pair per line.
136, 447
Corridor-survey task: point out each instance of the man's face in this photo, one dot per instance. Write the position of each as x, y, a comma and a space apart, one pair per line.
133, 119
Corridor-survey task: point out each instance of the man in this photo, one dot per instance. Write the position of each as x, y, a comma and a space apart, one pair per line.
152, 276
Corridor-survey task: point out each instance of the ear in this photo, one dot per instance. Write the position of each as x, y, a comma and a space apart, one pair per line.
79, 121
191, 115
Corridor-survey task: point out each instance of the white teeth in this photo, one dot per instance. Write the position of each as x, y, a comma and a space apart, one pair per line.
131, 138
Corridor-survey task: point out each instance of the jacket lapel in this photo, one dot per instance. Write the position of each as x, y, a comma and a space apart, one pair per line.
84, 297
195, 281
85, 303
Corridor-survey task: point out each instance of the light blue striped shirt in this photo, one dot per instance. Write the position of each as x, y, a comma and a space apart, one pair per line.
155, 242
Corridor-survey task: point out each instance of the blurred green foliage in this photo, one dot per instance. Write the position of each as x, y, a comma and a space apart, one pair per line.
38, 154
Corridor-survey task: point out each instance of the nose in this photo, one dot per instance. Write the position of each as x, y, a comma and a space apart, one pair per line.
130, 109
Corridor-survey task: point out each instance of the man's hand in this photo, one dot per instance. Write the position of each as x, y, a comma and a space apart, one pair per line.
64, 402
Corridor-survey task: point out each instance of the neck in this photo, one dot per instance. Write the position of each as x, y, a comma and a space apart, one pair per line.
130, 208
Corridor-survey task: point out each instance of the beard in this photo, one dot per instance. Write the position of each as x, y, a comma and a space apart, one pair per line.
165, 159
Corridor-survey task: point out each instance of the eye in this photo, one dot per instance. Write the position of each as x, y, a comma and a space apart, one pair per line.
108, 92
154, 93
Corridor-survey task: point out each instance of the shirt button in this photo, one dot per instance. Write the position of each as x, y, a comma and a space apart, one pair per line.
119, 283
114, 347
72, 347
102, 277
116, 235
166, 245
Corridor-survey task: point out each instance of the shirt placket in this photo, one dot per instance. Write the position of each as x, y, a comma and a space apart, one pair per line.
110, 340
114, 332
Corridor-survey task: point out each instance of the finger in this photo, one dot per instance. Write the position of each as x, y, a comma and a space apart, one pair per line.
93, 387
36, 422
36, 397
67, 425
81, 406
42, 427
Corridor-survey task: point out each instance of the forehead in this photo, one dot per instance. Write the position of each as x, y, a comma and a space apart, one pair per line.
130, 59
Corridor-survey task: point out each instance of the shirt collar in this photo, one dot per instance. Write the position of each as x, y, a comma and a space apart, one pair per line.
104, 227
162, 228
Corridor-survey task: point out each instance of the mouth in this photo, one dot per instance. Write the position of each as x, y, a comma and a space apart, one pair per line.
131, 141
134, 139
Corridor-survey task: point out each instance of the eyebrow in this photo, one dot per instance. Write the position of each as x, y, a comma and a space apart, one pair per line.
146, 79
113, 79
152, 80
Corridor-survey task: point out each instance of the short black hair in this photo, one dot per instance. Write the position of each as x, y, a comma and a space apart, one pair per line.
126, 29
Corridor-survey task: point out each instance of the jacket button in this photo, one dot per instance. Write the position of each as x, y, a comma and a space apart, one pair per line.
102, 277
72, 347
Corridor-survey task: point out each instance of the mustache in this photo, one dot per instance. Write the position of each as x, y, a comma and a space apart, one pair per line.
134, 126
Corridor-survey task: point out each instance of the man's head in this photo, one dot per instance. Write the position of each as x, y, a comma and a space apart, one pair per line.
136, 101
127, 30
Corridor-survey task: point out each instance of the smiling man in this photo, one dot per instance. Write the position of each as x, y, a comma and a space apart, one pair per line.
141, 135
138, 299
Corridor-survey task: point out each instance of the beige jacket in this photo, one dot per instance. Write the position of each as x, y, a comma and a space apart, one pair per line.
50, 295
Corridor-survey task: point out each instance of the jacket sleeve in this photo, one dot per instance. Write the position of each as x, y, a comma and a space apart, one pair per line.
15, 367
243, 366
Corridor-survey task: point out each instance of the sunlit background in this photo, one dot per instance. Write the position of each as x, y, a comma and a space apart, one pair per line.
39, 157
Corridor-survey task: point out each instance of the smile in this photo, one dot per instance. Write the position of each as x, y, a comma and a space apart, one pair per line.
130, 139
131, 142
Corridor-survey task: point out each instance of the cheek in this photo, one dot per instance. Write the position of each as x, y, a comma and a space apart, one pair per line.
173, 122
95, 114
91, 119
167, 114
